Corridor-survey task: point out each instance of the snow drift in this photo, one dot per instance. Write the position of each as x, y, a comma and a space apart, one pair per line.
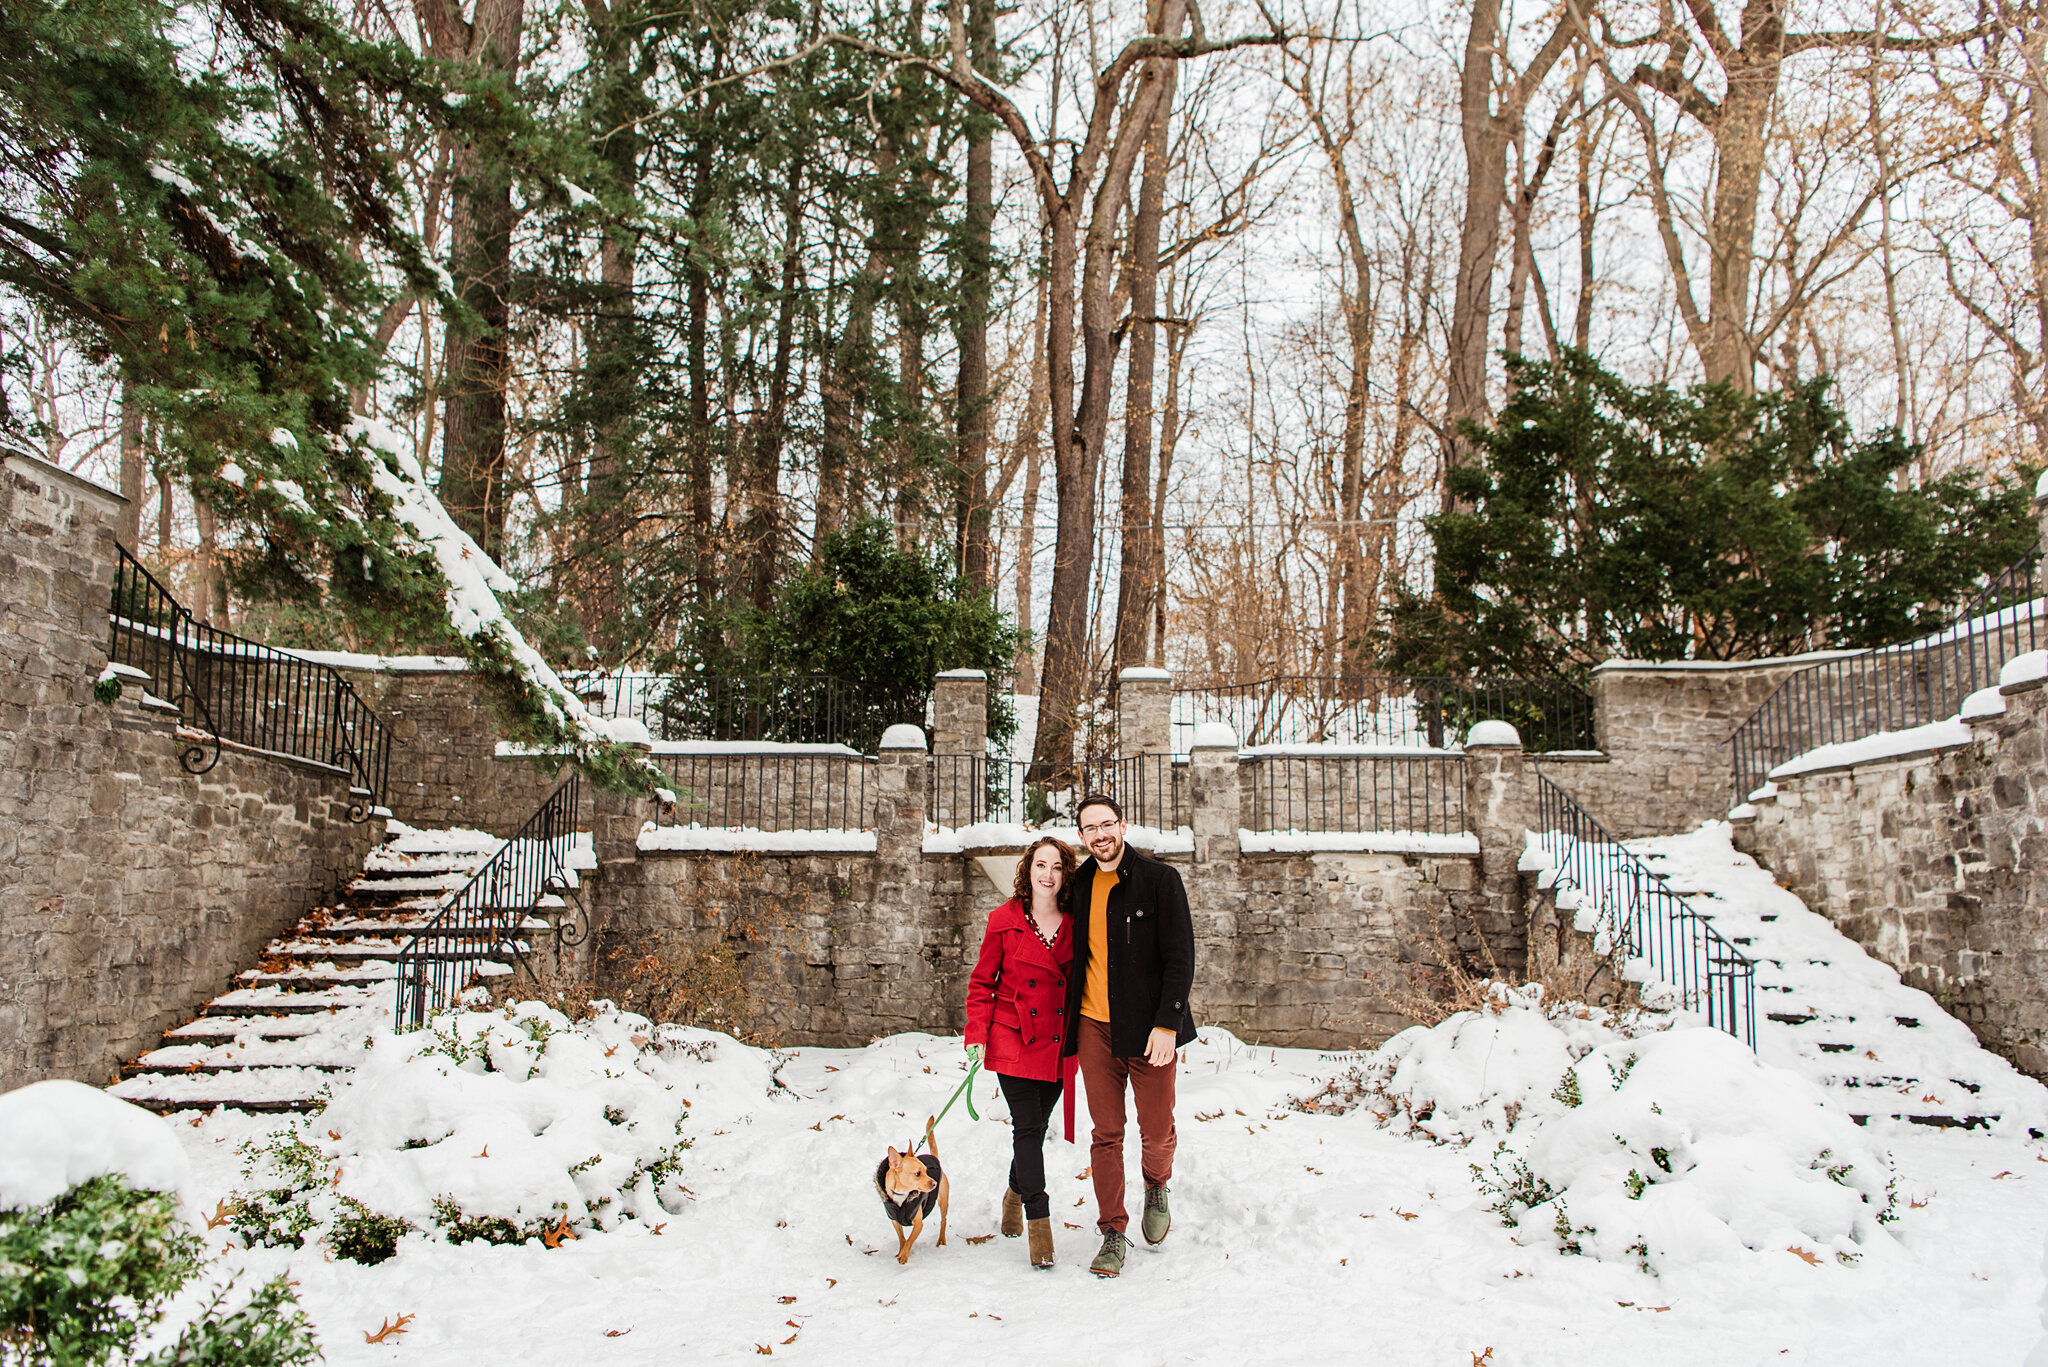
499, 1125
1633, 1137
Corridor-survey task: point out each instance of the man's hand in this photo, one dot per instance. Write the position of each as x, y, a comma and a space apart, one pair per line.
973, 1053
1159, 1048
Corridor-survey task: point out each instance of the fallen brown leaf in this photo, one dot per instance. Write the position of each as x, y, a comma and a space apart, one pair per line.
1809, 1259
553, 1237
618, 1333
979, 1238
1404, 1214
222, 1213
785, 1300
390, 1329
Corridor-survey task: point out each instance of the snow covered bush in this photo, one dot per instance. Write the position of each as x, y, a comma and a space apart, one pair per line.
1635, 1138
93, 1245
501, 1125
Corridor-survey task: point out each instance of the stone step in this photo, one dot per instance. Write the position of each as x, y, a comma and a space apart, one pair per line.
239, 1088
1938, 1122
171, 1106
225, 1029
271, 1001
145, 1068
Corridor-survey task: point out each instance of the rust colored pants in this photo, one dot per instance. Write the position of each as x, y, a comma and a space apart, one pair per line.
1151, 1087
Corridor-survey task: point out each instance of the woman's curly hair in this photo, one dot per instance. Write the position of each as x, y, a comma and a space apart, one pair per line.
1068, 863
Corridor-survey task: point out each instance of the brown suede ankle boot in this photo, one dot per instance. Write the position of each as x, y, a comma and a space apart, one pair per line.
1041, 1243
1013, 1214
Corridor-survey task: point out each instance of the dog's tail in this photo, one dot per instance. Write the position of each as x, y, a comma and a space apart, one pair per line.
931, 1143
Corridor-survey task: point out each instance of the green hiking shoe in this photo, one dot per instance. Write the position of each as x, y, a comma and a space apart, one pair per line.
1110, 1262
1158, 1217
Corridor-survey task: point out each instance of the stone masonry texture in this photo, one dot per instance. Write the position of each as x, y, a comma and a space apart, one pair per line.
130, 890
1937, 864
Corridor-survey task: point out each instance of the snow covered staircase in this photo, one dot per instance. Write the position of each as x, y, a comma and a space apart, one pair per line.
1881, 1050
318, 995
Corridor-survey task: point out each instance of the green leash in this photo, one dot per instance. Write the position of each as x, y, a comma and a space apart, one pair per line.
966, 1087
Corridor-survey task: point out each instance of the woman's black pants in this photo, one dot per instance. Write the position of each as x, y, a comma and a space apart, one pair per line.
1031, 1103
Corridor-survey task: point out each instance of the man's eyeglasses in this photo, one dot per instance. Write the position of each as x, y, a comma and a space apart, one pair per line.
1102, 827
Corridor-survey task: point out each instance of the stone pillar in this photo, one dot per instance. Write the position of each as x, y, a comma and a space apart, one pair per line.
959, 747
1144, 712
1213, 793
899, 803
1496, 810
960, 713
2041, 517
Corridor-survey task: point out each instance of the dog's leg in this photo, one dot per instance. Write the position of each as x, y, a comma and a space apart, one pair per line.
910, 1242
902, 1244
945, 1199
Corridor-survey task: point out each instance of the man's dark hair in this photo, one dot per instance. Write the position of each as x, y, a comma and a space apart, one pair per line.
1098, 800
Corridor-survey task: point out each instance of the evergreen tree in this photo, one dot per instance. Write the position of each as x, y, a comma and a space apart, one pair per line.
1645, 522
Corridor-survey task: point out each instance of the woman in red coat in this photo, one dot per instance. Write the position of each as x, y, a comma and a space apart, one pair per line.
1016, 1006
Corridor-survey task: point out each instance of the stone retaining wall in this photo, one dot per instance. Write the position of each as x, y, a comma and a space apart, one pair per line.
1663, 765
130, 890
1936, 863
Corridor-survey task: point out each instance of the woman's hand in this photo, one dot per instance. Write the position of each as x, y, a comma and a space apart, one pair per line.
1159, 1047
974, 1053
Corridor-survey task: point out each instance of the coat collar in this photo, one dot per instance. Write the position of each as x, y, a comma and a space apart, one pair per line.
1015, 915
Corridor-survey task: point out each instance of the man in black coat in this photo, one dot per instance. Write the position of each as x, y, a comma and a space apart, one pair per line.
1127, 1014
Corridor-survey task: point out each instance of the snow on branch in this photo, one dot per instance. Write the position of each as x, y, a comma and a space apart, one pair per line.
473, 582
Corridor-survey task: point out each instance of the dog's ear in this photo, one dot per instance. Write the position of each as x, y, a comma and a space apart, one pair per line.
894, 1157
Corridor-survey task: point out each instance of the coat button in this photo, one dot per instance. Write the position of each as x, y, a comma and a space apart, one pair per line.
1032, 983
1034, 1010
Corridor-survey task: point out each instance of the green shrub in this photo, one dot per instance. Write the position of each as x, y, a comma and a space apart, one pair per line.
362, 1235
86, 1276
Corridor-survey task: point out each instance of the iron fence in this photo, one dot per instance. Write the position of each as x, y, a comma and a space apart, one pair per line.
966, 789
779, 790
794, 708
1418, 793
1894, 687
243, 692
1644, 919
485, 922
1387, 710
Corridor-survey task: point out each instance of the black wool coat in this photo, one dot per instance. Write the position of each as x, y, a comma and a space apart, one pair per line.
1151, 953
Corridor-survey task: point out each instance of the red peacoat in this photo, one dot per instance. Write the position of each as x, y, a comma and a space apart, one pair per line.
1017, 995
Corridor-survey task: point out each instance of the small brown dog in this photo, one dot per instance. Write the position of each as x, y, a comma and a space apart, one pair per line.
910, 1186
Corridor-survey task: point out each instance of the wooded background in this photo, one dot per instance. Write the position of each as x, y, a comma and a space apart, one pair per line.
1162, 324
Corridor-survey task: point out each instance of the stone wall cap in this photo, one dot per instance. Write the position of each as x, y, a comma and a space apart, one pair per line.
1145, 674
1493, 733
1213, 735
393, 664
903, 736
981, 674
1707, 666
14, 455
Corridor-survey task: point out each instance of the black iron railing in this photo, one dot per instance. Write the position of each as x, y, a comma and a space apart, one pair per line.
488, 921
775, 790
1643, 918
1368, 709
1895, 687
234, 690
1417, 793
966, 789
800, 708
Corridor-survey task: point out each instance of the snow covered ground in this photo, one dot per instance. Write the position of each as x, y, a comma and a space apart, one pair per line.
1300, 1236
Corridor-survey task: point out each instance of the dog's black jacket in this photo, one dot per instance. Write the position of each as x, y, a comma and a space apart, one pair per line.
906, 1211
1151, 954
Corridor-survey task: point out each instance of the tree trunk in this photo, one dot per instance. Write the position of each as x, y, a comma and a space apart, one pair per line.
1079, 425
129, 530
971, 498
1486, 131
1169, 438
1730, 353
1135, 585
480, 260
